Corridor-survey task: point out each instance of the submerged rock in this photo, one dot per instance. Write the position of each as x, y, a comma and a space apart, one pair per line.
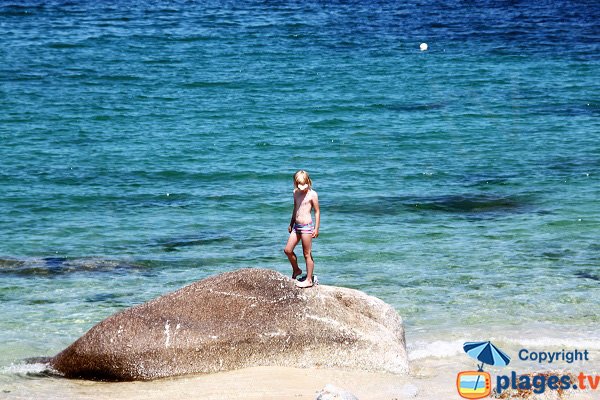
239, 319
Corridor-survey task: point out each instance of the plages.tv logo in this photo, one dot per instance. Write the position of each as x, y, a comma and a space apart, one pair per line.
478, 384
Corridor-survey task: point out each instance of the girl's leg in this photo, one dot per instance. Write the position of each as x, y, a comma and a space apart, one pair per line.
310, 263
289, 252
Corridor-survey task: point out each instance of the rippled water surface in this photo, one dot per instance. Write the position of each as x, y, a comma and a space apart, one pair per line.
145, 145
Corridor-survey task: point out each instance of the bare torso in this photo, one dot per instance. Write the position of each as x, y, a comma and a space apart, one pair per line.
303, 202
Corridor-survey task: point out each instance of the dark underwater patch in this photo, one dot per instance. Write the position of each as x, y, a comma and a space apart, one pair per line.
113, 299
190, 241
587, 275
35, 302
16, 10
376, 107
557, 254
64, 45
56, 266
410, 107
10, 263
327, 123
212, 84
467, 204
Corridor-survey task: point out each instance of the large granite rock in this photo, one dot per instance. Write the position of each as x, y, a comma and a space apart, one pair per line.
245, 318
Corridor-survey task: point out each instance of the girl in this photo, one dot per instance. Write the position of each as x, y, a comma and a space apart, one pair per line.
301, 227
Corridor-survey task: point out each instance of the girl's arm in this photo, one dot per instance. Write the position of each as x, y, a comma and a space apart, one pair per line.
293, 219
317, 215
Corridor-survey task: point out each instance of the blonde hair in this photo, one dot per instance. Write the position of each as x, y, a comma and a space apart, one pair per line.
302, 178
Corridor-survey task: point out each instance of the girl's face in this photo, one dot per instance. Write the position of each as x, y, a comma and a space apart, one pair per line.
302, 186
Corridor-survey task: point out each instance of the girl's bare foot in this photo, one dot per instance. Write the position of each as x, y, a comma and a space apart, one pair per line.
296, 274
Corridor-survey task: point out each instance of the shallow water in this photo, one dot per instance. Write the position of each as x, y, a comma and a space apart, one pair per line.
145, 146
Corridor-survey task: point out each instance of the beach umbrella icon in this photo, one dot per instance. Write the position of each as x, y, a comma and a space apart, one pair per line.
487, 353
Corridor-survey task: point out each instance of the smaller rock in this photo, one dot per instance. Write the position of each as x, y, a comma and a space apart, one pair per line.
330, 392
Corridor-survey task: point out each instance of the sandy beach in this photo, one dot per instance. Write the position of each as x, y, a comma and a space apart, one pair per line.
430, 379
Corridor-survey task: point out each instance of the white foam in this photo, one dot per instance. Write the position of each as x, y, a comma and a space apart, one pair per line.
25, 369
436, 349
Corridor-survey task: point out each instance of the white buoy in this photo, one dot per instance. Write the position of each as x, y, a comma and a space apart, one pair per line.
423, 46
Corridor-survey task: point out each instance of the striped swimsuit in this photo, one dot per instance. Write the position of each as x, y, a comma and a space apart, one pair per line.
304, 228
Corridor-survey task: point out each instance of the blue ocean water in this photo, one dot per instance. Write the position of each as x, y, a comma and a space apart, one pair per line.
146, 145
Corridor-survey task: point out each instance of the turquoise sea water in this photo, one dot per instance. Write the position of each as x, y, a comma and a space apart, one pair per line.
144, 146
